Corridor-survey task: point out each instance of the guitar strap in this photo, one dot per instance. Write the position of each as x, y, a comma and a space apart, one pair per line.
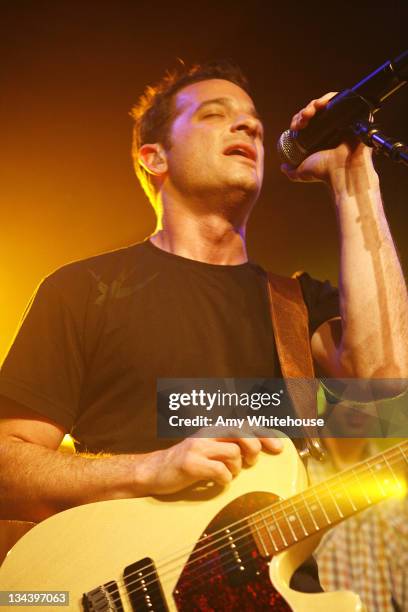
290, 322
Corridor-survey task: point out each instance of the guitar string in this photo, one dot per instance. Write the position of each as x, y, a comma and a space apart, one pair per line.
199, 570
216, 565
232, 565
349, 473
305, 494
248, 532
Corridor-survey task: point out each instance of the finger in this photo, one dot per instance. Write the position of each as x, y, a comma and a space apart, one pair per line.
290, 172
300, 174
272, 444
234, 465
248, 444
323, 100
318, 103
207, 469
301, 119
203, 462
227, 452
250, 449
295, 121
220, 473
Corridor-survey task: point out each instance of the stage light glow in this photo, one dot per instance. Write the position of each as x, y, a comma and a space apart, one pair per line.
67, 444
379, 489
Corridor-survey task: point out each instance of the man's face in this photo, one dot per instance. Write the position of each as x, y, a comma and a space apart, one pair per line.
216, 142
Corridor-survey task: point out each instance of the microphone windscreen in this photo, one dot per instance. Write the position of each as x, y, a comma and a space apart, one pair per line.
289, 150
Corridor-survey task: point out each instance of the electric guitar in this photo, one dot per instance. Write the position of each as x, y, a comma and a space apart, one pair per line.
207, 548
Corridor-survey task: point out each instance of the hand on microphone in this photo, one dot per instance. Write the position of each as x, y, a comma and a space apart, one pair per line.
324, 165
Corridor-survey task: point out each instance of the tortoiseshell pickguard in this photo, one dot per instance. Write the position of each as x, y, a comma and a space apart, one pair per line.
229, 575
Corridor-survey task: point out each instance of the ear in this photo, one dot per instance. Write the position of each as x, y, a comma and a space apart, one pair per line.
153, 159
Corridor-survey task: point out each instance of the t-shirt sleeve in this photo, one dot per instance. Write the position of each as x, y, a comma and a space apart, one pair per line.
321, 299
43, 369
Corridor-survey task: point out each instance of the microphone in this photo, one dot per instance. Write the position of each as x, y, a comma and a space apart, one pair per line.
326, 129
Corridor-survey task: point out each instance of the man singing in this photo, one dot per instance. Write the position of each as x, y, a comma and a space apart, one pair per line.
187, 302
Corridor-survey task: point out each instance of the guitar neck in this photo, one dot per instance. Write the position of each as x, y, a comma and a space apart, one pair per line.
327, 503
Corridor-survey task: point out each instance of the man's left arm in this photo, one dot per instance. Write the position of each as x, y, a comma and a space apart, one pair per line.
371, 339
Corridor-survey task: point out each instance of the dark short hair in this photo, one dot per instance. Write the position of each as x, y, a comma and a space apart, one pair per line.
155, 111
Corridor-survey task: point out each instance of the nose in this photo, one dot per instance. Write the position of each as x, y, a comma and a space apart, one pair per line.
248, 124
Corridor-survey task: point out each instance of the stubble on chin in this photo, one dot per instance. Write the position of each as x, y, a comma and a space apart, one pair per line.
237, 201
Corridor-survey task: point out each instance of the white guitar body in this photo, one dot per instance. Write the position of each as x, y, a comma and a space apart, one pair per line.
82, 548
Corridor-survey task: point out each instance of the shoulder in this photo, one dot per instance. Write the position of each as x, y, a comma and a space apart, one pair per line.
321, 299
75, 280
314, 289
320, 296
106, 264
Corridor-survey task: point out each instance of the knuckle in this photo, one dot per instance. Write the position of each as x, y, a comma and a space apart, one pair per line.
257, 444
235, 451
234, 466
196, 445
220, 471
238, 466
187, 462
189, 443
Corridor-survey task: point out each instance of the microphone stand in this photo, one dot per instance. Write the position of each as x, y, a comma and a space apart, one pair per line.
371, 135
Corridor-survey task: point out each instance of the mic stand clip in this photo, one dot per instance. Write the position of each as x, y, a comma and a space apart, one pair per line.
372, 136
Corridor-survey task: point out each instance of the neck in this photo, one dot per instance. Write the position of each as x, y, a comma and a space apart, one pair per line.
210, 237
208, 227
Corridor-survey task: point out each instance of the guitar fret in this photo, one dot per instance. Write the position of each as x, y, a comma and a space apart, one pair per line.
281, 533
268, 531
352, 504
329, 502
288, 521
401, 448
392, 471
367, 497
405, 458
340, 513
272, 539
345, 500
262, 541
374, 472
329, 522
316, 526
299, 518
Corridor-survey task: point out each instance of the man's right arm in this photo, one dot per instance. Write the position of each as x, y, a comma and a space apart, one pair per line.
36, 480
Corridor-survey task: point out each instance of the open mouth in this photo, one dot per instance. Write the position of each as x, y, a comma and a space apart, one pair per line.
242, 150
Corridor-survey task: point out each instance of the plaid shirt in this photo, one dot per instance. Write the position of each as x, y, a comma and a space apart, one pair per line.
367, 553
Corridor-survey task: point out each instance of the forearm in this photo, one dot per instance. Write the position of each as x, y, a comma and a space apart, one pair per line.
373, 295
36, 482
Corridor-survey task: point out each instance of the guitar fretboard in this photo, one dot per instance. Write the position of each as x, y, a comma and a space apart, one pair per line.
328, 503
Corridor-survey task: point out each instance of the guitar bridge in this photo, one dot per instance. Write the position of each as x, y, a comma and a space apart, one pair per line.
105, 598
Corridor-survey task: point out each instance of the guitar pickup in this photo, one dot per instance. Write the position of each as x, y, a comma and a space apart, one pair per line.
143, 587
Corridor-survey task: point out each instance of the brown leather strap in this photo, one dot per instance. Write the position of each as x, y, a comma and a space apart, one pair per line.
290, 323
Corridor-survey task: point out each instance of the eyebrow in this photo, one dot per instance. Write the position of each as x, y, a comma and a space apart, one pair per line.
226, 102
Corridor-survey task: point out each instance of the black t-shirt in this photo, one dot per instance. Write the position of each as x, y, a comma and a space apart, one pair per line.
100, 332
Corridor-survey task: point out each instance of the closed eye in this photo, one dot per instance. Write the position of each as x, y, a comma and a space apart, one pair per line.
213, 115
